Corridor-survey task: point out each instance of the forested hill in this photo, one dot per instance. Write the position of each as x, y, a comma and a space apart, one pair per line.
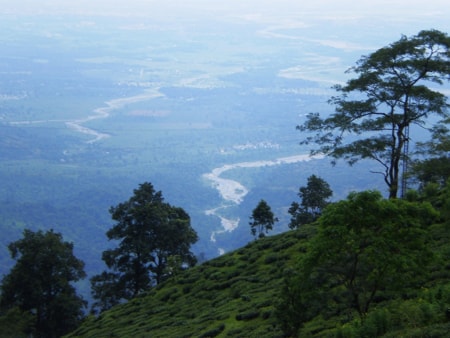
237, 295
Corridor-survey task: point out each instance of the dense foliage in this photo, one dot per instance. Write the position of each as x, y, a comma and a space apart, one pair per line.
150, 232
37, 296
314, 198
433, 163
262, 219
391, 91
367, 248
368, 267
243, 293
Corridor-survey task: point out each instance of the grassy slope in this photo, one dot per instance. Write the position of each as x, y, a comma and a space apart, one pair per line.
235, 296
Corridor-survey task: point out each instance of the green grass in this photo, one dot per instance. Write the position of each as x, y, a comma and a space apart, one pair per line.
235, 295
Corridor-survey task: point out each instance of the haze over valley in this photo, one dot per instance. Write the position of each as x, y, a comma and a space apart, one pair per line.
200, 99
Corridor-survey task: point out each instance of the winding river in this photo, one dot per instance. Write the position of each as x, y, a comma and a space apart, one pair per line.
99, 113
104, 112
233, 192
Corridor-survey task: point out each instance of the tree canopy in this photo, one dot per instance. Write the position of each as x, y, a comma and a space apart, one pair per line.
262, 219
433, 162
39, 285
314, 198
365, 246
148, 231
391, 92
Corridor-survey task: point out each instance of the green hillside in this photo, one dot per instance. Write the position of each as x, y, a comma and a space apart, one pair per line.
233, 295
236, 295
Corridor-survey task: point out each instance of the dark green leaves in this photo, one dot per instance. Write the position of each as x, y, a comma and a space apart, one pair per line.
39, 285
314, 198
389, 93
367, 250
148, 231
368, 245
262, 218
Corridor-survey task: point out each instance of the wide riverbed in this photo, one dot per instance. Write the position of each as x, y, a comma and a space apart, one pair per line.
232, 190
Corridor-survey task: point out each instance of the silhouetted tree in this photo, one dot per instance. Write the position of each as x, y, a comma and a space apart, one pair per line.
39, 285
262, 218
314, 198
389, 94
148, 231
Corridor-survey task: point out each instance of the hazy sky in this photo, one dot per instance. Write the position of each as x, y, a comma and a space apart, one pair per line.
348, 26
409, 15
390, 8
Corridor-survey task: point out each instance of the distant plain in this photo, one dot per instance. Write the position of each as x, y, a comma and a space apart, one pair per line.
94, 103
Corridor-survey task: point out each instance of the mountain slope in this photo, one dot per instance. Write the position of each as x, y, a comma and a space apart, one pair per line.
232, 295
235, 295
